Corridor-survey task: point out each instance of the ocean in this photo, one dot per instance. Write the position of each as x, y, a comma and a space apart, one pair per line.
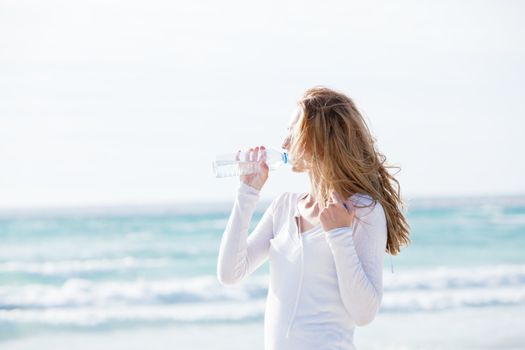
135, 278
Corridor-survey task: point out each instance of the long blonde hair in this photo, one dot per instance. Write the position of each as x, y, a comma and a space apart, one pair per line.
332, 141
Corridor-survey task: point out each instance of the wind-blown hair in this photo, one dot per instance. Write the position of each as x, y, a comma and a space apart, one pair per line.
332, 141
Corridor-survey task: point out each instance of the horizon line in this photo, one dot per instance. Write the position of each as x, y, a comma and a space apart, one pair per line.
194, 205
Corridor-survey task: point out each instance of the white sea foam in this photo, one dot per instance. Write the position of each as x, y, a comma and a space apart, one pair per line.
241, 311
489, 276
80, 292
424, 300
405, 291
72, 267
98, 315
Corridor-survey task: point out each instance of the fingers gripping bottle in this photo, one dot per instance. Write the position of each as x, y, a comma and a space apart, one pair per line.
244, 163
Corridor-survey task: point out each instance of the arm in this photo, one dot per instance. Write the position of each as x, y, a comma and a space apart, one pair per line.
240, 254
358, 252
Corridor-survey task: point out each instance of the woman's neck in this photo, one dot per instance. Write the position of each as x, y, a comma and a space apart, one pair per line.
312, 193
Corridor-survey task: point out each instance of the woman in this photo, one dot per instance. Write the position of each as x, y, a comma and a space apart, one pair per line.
325, 246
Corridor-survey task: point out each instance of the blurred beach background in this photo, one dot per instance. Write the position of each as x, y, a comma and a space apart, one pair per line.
111, 113
131, 280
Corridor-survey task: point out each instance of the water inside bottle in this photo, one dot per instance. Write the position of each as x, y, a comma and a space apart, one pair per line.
226, 168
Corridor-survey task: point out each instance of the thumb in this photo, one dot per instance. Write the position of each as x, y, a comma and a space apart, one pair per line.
263, 165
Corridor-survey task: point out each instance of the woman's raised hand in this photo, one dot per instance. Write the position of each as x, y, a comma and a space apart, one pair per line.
255, 180
338, 213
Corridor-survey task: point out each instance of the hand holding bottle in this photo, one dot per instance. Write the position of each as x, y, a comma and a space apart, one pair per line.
247, 162
256, 180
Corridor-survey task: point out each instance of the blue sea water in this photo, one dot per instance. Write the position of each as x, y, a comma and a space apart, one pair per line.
127, 270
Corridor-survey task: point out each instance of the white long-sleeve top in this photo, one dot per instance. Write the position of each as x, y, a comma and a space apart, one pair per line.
322, 284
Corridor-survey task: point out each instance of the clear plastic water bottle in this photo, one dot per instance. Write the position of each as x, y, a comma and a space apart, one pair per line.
236, 164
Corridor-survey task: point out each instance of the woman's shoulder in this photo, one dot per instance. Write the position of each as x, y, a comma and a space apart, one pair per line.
285, 203
362, 199
283, 199
366, 206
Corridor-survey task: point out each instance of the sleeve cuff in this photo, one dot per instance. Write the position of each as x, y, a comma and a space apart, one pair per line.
340, 239
247, 189
339, 231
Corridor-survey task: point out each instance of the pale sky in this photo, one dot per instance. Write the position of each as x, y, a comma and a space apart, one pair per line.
122, 102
